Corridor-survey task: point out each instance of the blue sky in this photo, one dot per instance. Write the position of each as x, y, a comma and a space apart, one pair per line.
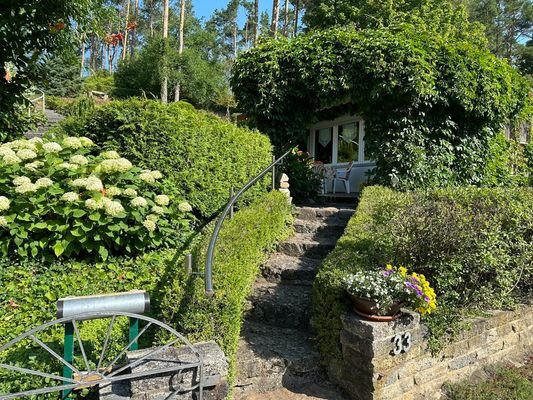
205, 8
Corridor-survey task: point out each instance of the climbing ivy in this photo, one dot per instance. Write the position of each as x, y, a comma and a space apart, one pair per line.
431, 102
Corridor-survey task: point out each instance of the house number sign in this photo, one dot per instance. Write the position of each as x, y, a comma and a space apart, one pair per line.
402, 343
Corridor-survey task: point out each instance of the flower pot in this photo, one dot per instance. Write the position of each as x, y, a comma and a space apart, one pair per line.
367, 308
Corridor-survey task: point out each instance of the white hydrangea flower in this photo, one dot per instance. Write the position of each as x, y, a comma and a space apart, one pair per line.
79, 159
26, 154
114, 208
158, 210
110, 155
184, 207
44, 182
93, 183
11, 159
115, 165
139, 202
5, 150
35, 140
4, 203
34, 166
86, 142
147, 177
72, 142
70, 197
152, 217
130, 192
21, 180
3, 221
68, 166
156, 174
80, 182
92, 204
149, 225
52, 147
162, 200
26, 188
113, 191
26, 144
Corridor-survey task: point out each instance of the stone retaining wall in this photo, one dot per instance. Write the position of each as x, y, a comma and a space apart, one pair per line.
390, 360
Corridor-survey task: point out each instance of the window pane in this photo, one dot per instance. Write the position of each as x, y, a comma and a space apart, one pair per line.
348, 142
324, 145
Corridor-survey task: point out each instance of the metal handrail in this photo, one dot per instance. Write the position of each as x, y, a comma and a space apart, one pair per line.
33, 101
211, 249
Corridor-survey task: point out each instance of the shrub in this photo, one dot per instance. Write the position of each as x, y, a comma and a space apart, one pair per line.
201, 155
29, 291
60, 199
100, 81
473, 245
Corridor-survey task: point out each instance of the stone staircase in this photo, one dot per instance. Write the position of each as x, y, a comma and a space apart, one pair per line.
276, 356
52, 118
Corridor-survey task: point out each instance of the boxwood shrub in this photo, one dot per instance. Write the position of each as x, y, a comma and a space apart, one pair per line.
473, 245
30, 291
202, 155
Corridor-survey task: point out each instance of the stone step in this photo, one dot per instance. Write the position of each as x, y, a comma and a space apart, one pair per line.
335, 227
286, 306
308, 245
327, 214
290, 270
271, 357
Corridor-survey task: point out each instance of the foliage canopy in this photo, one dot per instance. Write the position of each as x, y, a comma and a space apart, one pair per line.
431, 101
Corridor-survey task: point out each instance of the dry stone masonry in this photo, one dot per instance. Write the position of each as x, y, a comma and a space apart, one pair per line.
390, 361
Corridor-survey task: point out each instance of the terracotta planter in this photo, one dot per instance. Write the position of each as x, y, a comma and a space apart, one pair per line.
368, 309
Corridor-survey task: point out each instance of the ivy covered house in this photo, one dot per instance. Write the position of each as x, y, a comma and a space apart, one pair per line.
419, 106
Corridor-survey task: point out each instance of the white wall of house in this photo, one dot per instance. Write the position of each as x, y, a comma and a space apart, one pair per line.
336, 143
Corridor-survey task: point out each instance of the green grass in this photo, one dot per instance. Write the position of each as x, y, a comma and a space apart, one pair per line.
503, 382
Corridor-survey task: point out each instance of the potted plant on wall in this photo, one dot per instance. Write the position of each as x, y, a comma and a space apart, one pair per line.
379, 293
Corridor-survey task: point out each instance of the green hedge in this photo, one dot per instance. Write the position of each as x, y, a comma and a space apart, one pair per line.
473, 245
202, 155
29, 292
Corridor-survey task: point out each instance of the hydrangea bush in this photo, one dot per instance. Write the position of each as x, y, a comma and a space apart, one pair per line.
63, 199
393, 284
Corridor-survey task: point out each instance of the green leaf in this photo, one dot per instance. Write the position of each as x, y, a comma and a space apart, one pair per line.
79, 213
58, 248
103, 252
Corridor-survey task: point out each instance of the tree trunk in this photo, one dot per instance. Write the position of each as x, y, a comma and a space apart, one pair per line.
82, 54
177, 89
296, 9
275, 18
125, 42
286, 19
134, 30
164, 83
151, 18
256, 22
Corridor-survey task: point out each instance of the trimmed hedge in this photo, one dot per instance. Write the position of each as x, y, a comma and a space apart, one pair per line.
29, 292
473, 245
202, 155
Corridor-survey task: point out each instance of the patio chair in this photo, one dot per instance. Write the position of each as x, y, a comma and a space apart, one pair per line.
343, 175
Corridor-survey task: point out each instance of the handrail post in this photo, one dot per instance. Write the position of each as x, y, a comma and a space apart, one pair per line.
232, 209
273, 173
211, 249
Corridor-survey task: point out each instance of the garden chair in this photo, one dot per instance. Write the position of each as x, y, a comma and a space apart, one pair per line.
343, 175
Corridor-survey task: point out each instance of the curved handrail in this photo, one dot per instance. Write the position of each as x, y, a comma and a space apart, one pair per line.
211, 249
40, 97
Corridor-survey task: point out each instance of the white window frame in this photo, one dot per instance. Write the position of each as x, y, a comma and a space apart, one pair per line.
335, 147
